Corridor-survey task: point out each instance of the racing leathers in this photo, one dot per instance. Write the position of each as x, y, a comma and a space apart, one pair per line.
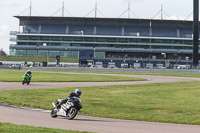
70, 96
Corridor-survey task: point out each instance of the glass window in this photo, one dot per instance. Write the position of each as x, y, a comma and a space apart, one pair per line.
74, 53
22, 43
111, 39
100, 45
70, 53
88, 45
187, 42
78, 39
67, 38
31, 52
42, 52
118, 46
76, 45
145, 40
45, 38
12, 52
100, 39
64, 53
177, 41
38, 43
54, 44
166, 41
145, 47
33, 37
22, 37
136, 40
100, 54
56, 38
65, 44
179, 47
156, 41
21, 52
54, 53
89, 39
122, 39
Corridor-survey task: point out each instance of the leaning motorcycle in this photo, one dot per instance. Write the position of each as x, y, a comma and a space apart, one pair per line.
69, 109
26, 79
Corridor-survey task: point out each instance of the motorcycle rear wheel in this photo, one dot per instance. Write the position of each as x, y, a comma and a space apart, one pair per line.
54, 113
72, 113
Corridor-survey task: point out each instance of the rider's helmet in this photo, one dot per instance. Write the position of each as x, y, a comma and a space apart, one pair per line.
29, 71
78, 92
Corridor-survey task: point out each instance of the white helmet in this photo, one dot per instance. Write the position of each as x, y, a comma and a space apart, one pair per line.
78, 92
29, 71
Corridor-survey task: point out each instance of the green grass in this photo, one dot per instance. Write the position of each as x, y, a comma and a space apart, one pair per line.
12, 128
152, 74
133, 73
161, 102
166, 74
37, 59
16, 76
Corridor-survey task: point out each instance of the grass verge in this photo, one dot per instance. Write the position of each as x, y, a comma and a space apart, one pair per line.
165, 74
16, 76
12, 128
152, 74
133, 73
161, 102
37, 59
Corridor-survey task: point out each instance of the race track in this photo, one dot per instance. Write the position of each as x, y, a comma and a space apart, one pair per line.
86, 123
39, 85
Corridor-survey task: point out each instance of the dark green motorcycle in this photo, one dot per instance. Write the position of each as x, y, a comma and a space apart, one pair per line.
26, 79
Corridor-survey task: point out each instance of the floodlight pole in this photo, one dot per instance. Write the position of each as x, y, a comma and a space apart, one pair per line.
30, 7
95, 10
195, 33
63, 9
161, 12
129, 9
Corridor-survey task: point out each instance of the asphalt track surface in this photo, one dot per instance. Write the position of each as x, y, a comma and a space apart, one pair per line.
41, 118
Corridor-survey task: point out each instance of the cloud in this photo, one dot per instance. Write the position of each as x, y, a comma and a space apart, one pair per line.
9, 4
172, 18
130, 1
14, 5
2, 5
4, 30
4, 27
4, 37
175, 18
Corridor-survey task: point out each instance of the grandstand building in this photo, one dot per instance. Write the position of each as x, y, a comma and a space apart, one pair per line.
143, 41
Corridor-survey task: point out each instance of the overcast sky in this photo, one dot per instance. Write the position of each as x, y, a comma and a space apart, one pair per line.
175, 9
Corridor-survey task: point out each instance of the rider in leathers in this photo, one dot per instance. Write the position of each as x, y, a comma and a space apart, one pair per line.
29, 74
77, 93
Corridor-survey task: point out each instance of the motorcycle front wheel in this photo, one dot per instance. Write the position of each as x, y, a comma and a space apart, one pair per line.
72, 113
54, 113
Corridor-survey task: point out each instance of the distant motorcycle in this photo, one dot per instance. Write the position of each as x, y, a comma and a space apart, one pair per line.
26, 79
69, 109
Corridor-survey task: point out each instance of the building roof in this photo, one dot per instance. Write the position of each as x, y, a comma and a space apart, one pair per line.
25, 20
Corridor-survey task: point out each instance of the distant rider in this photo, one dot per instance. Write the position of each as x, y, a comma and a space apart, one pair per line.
77, 93
29, 74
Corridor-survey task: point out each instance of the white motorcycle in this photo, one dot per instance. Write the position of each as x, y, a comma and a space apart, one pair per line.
69, 109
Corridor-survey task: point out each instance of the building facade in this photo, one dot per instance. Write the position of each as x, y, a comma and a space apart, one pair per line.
108, 38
